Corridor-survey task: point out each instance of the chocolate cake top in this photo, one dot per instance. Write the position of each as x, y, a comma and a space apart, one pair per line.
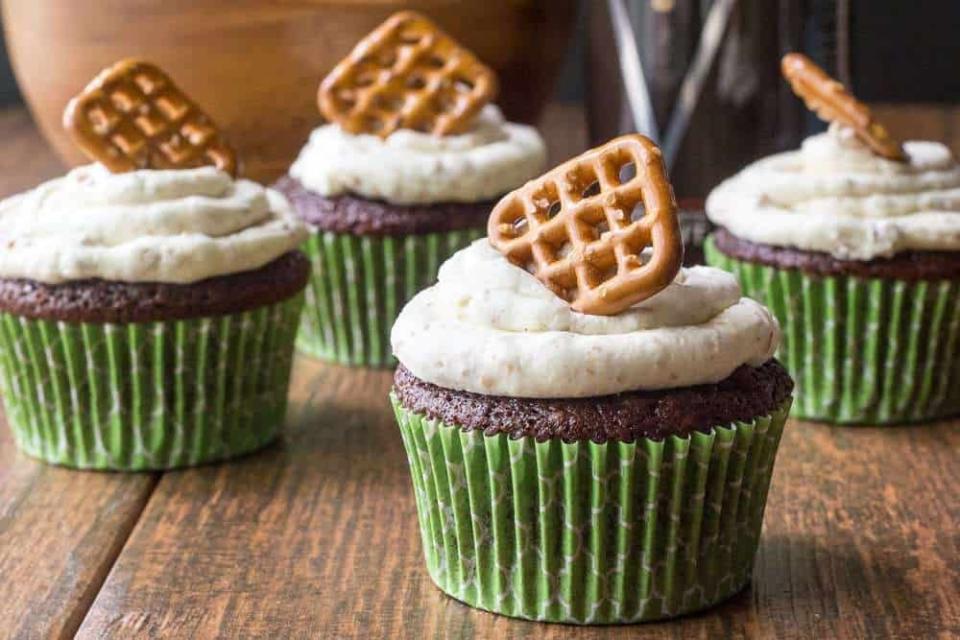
103, 301
908, 265
748, 393
359, 216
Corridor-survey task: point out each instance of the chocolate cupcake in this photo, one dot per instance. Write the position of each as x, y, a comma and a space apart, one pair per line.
854, 246
147, 316
386, 208
582, 468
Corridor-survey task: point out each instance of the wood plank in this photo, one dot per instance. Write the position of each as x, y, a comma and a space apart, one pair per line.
60, 530
264, 545
856, 541
318, 537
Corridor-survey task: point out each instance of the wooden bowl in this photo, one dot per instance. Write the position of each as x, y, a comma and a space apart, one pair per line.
254, 65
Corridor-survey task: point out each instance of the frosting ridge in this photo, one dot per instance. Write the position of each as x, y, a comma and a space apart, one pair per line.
835, 196
410, 167
490, 327
172, 226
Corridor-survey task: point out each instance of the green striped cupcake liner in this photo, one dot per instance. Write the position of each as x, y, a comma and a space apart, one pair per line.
359, 285
153, 395
861, 350
589, 533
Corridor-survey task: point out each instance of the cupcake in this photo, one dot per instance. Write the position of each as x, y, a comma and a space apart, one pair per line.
602, 466
403, 175
854, 243
147, 314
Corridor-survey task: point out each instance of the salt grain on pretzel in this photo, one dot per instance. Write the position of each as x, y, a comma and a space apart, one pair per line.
574, 229
831, 102
406, 74
132, 116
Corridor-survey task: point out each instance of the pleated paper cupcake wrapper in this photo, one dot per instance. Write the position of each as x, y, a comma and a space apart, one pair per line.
861, 350
153, 395
590, 533
359, 285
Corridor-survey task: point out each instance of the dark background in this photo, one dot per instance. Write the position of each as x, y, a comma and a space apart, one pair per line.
906, 50
900, 50
8, 86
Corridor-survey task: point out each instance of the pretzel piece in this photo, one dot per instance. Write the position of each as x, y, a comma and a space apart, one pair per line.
831, 102
409, 74
573, 228
132, 116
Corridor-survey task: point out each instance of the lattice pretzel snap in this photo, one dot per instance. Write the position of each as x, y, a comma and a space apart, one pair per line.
574, 228
406, 74
132, 116
831, 102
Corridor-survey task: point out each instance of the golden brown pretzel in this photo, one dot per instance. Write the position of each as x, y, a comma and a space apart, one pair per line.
132, 116
831, 102
573, 227
406, 74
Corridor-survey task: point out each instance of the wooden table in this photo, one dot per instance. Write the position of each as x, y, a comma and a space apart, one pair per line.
317, 536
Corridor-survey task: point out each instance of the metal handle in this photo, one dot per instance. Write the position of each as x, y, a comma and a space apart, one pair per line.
635, 83
631, 70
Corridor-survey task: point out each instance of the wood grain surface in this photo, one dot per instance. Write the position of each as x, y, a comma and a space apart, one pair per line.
316, 536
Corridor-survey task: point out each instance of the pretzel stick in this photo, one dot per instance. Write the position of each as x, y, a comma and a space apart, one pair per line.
831, 102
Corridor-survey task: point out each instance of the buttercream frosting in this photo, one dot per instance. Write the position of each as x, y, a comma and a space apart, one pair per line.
173, 226
410, 167
490, 327
835, 196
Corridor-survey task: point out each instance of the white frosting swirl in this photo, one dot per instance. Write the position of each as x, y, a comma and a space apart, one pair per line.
176, 226
490, 327
834, 195
410, 167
